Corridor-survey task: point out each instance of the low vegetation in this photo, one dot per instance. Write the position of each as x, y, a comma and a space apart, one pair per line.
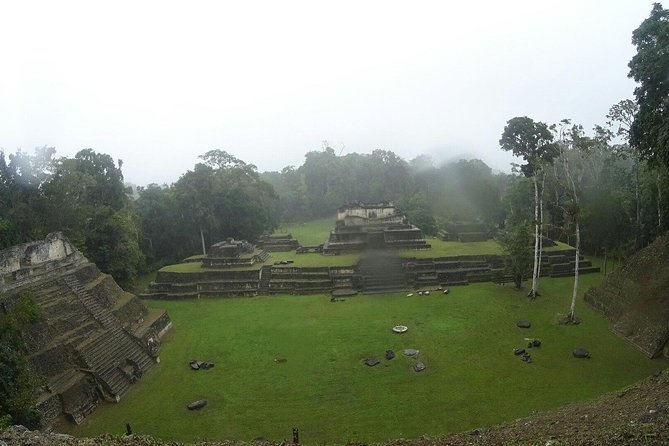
18, 384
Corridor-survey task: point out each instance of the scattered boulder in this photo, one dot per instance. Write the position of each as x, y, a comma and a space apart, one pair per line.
400, 328
390, 354
280, 360
371, 362
420, 293
410, 352
523, 324
581, 353
197, 405
526, 358
518, 351
419, 366
446, 291
427, 293
410, 294
196, 364
534, 343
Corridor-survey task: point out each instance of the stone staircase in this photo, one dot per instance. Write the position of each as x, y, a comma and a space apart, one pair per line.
114, 356
265, 279
381, 273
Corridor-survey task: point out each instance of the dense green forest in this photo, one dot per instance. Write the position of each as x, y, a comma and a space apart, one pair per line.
621, 205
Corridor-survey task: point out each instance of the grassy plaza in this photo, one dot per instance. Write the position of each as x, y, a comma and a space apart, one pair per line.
296, 361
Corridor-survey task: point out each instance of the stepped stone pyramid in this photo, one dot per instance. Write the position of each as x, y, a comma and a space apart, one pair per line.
92, 341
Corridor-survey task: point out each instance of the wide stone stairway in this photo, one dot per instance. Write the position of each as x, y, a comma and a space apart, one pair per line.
381, 272
114, 356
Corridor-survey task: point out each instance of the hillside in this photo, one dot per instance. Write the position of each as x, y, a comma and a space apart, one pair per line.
634, 298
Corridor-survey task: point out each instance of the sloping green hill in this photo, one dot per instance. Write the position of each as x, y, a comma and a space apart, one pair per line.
635, 298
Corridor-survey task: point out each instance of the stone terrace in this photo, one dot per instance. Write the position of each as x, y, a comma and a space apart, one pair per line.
278, 243
377, 271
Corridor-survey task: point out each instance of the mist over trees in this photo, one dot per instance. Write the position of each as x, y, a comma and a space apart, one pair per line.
608, 188
620, 199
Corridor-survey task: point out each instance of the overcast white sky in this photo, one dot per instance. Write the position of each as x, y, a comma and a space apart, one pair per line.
157, 83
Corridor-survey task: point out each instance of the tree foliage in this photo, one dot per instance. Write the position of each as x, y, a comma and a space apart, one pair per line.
90, 204
649, 132
516, 243
18, 384
221, 197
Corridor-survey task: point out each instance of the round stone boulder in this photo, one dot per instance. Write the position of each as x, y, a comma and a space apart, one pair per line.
410, 352
371, 362
400, 328
390, 354
523, 324
581, 353
419, 366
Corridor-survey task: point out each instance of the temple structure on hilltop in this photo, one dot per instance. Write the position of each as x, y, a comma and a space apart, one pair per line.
372, 226
91, 341
232, 253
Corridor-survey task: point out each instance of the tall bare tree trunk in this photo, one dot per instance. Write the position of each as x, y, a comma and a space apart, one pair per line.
659, 202
574, 293
541, 232
637, 230
576, 211
533, 292
204, 249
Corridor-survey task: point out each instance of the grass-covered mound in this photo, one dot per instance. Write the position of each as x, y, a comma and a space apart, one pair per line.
465, 338
634, 297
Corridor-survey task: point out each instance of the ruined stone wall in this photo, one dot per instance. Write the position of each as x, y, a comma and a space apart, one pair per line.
53, 361
30, 262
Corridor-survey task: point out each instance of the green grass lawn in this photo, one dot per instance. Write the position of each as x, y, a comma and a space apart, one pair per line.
465, 338
313, 232
441, 248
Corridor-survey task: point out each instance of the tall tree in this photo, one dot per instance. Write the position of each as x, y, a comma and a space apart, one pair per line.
620, 118
575, 151
224, 197
22, 204
649, 132
532, 141
90, 204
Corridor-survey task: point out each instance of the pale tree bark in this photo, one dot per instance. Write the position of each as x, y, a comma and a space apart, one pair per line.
637, 230
576, 217
533, 292
541, 232
204, 249
659, 201
574, 293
